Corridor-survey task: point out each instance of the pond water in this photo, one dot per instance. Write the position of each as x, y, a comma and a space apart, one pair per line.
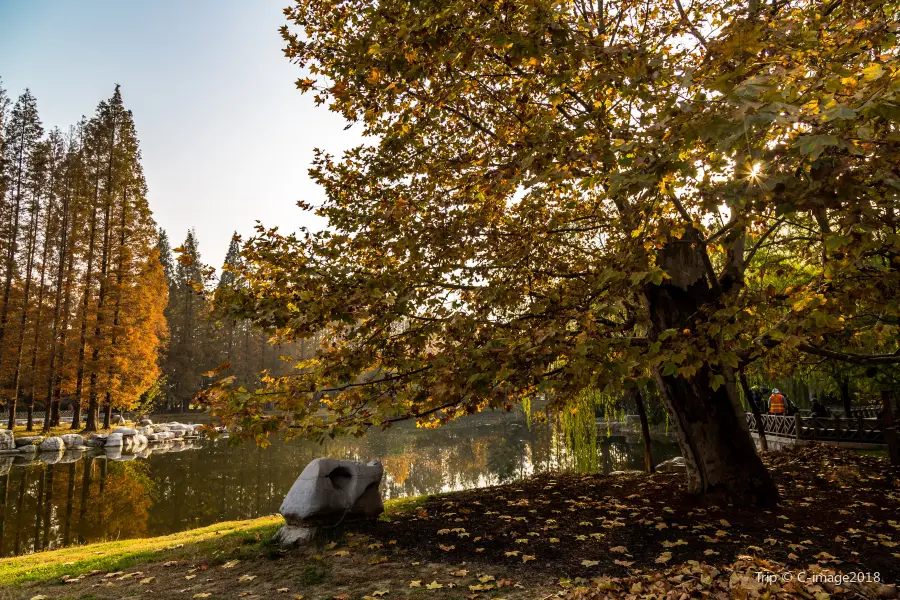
94, 497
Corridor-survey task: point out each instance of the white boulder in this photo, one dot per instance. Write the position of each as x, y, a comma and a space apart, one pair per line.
114, 440
327, 492
673, 465
53, 444
72, 440
7, 440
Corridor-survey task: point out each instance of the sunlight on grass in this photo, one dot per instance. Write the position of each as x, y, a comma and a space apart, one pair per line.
121, 554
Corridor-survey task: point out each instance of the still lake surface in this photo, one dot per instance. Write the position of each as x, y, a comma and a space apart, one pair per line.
94, 497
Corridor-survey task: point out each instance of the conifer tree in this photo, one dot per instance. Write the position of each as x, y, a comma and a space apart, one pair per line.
22, 136
64, 266
84, 288
55, 155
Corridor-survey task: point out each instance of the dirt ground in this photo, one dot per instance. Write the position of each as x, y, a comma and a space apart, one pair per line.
564, 534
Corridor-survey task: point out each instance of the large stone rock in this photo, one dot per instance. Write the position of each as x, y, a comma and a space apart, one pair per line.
72, 440
125, 430
29, 440
328, 492
96, 440
53, 444
146, 422
7, 440
114, 440
117, 420
673, 465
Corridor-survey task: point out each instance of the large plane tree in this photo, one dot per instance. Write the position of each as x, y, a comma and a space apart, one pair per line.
565, 194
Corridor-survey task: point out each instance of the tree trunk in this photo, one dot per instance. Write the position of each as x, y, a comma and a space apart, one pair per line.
890, 433
13, 248
120, 277
93, 400
57, 302
757, 416
85, 303
23, 320
93, 405
718, 451
645, 431
64, 331
40, 306
844, 385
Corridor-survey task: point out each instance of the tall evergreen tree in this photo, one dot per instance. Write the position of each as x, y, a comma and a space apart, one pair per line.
164, 248
21, 138
188, 358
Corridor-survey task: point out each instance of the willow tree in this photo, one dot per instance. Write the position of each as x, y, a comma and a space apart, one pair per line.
560, 194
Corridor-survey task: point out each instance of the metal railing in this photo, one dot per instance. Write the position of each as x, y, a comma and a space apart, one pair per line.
825, 429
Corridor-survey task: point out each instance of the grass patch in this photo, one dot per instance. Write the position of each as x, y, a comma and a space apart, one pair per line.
402, 506
313, 574
123, 554
20, 431
878, 453
223, 541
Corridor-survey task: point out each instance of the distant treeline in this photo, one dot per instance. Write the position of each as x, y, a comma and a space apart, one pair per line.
201, 340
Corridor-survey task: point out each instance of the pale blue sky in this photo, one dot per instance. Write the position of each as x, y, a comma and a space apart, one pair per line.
226, 136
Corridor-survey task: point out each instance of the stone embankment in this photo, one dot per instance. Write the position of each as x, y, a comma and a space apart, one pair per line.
122, 443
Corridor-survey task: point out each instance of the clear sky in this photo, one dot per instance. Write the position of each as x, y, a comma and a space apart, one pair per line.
226, 137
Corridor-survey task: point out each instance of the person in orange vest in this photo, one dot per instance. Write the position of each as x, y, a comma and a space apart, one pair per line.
777, 404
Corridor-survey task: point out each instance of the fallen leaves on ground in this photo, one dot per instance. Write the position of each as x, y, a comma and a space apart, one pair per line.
740, 582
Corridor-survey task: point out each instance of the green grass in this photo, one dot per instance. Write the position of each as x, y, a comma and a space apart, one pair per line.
234, 539
19, 431
123, 554
314, 574
880, 453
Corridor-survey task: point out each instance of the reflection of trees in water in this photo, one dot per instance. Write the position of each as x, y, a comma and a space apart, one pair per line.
57, 504
97, 499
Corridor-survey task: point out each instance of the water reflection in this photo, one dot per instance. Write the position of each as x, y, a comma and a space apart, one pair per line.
96, 496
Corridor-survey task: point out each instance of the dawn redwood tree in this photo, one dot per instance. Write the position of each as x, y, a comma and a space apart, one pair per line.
22, 135
562, 194
40, 184
65, 256
56, 152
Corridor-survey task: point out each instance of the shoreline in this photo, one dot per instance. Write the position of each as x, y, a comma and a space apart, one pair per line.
529, 538
114, 555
